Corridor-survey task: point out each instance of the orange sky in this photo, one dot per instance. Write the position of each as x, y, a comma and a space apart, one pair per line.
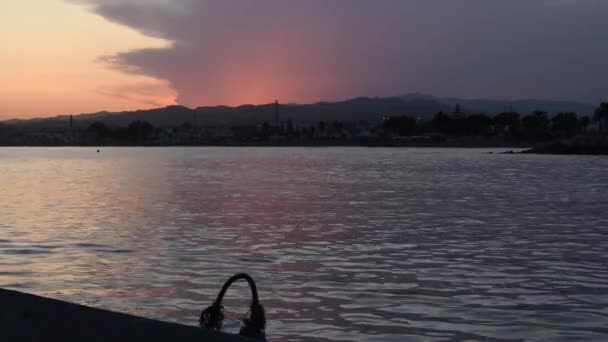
50, 62
243, 51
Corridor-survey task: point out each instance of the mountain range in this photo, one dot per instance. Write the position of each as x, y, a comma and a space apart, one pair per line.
417, 105
492, 107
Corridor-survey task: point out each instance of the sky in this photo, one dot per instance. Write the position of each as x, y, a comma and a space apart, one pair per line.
74, 56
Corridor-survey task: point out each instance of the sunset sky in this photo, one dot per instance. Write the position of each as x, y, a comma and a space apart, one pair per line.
74, 56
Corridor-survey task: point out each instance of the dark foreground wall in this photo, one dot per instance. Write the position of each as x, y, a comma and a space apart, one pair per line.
25, 317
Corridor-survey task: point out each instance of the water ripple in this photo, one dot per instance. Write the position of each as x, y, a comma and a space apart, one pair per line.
346, 244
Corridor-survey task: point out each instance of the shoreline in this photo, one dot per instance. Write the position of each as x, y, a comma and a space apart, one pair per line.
584, 145
506, 145
595, 147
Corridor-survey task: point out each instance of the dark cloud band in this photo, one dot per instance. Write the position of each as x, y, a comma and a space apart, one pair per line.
255, 51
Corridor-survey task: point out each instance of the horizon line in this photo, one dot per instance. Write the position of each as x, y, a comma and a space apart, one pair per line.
420, 94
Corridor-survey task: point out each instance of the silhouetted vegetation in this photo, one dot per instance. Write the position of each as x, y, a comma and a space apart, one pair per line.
400, 125
100, 130
601, 117
140, 131
137, 132
507, 123
565, 124
449, 128
584, 123
536, 125
479, 124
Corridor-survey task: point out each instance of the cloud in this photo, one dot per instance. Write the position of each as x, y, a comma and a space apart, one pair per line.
149, 93
244, 51
577, 3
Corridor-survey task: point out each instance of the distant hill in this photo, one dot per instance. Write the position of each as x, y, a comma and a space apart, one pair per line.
363, 108
369, 109
497, 106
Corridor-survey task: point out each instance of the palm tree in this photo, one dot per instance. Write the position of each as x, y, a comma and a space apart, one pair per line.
601, 116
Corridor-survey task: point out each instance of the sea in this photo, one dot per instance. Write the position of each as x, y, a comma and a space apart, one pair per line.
345, 244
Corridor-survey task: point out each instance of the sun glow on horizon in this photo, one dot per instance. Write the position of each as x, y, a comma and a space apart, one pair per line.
51, 65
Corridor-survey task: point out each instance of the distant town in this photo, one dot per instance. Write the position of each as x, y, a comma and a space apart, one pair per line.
374, 122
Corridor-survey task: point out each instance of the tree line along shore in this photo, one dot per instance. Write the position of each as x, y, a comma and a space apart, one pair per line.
565, 132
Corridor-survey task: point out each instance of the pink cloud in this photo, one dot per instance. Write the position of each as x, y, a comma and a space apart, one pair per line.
255, 51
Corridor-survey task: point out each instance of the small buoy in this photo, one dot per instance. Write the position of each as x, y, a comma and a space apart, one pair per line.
97, 151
